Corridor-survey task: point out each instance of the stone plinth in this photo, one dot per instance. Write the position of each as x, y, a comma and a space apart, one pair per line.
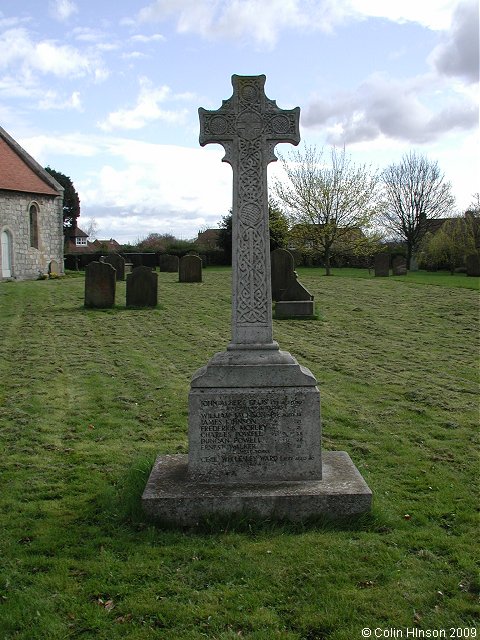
294, 309
173, 497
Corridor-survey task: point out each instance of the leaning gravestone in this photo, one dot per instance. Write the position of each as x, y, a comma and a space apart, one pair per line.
142, 287
399, 266
382, 264
100, 283
117, 262
190, 269
473, 264
254, 412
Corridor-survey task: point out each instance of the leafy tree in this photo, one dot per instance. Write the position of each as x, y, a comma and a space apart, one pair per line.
225, 236
331, 201
71, 201
278, 224
450, 245
415, 191
156, 242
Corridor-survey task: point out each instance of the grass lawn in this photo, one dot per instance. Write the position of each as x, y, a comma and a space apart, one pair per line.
89, 398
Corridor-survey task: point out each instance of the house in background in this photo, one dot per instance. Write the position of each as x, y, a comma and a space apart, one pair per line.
31, 214
76, 241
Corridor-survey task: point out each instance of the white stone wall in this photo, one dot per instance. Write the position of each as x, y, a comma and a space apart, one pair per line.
29, 262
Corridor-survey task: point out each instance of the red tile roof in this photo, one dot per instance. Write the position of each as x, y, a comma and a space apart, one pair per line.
20, 172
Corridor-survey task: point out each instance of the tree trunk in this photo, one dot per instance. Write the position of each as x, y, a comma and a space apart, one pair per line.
328, 271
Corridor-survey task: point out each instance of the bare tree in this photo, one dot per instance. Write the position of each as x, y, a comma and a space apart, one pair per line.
415, 191
330, 202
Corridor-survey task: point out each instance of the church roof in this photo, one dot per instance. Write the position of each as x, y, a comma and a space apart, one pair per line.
20, 172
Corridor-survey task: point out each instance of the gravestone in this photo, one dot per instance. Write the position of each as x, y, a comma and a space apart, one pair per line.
117, 262
473, 264
53, 267
100, 281
293, 300
282, 270
168, 263
190, 269
254, 412
399, 266
142, 287
382, 264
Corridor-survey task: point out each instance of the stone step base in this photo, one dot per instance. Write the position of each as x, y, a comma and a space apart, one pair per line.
171, 497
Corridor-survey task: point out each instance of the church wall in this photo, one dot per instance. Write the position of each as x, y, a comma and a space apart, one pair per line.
29, 262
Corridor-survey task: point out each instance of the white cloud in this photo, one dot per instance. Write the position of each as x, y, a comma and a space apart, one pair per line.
52, 101
19, 51
143, 39
263, 21
147, 109
245, 19
458, 54
434, 14
62, 10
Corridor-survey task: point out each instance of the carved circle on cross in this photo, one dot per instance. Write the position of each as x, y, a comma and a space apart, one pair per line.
249, 92
280, 124
249, 125
250, 214
218, 125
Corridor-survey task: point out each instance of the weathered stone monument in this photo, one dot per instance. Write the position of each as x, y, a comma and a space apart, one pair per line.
399, 266
472, 264
292, 299
168, 263
282, 271
190, 269
53, 268
117, 262
100, 281
382, 265
254, 412
142, 287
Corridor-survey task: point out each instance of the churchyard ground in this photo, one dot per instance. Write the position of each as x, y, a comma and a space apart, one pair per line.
89, 398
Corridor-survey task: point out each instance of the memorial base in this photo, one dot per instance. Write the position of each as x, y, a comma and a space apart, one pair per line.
294, 309
172, 497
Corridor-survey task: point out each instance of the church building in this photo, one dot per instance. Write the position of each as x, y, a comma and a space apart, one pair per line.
31, 215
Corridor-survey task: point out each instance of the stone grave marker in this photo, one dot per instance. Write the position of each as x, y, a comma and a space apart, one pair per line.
117, 262
254, 412
190, 268
168, 263
100, 281
399, 266
292, 299
53, 267
282, 269
142, 287
473, 264
382, 264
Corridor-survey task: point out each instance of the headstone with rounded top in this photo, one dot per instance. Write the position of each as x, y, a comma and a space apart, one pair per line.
100, 284
117, 262
190, 269
142, 287
382, 265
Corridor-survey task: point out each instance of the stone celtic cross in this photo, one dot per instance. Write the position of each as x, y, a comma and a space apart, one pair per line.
248, 126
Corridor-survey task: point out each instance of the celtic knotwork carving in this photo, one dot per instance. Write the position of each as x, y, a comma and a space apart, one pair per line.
249, 125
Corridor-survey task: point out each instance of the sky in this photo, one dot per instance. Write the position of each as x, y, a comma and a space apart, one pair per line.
107, 92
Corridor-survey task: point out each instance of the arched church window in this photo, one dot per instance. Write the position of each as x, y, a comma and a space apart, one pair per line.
34, 226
